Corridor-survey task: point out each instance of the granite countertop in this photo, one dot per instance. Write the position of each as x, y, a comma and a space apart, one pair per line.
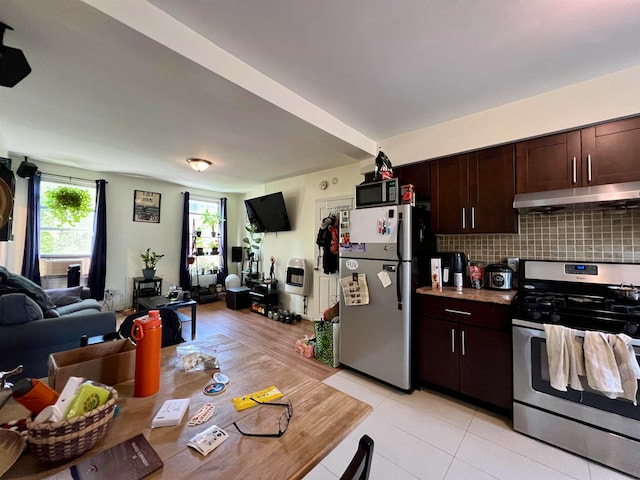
503, 297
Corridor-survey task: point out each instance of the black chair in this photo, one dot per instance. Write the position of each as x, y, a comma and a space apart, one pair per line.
171, 326
360, 465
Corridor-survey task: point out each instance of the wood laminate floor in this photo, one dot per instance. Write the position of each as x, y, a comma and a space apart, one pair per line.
262, 333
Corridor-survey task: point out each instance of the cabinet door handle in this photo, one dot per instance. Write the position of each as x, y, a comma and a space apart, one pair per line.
473, 217
575, 174
589, 167
453, 340
459, 312
462, 338
464, 224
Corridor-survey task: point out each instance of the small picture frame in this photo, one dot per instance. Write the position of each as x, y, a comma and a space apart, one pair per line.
146, 206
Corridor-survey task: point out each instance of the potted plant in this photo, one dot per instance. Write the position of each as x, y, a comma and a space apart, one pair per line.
68, 204
252, 240
150, 260
214, 246
199, 246
211, 220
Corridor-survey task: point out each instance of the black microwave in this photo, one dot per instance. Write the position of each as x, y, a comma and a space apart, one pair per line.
374, 194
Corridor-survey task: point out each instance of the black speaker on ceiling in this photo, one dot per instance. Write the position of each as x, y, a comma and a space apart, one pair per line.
13, 64
26, 169
236, 254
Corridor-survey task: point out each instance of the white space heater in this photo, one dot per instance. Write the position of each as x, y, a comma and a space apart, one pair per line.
298, 277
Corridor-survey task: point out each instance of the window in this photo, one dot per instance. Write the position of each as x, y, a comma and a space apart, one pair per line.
206, 230
64, 245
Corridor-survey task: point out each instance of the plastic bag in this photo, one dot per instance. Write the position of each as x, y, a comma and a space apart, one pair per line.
193, 358
332, 313
305, 346
383, 170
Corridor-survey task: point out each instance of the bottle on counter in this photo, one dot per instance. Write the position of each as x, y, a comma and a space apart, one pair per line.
459, 267
457, 281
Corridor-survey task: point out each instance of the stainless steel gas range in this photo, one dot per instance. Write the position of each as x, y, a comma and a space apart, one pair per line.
585, 297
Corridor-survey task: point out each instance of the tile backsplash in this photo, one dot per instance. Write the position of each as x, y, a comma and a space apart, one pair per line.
583, 236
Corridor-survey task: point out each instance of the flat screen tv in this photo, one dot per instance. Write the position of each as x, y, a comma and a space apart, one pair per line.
268, 213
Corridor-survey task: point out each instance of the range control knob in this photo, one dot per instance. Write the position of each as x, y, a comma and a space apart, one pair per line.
554, 317
631, 329
534, 315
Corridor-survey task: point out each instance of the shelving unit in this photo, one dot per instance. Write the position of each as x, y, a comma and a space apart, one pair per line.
250, 273
143, 287
264, 295
202, 293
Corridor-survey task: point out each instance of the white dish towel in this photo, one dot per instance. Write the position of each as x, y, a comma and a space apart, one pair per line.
628, 367
557, 356
600, 364
565, 357
576, 358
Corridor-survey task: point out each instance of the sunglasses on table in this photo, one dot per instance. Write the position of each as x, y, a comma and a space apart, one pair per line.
283, 422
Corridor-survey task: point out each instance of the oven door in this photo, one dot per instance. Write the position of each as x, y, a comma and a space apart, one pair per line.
531, 387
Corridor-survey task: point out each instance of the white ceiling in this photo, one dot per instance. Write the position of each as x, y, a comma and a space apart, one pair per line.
272, 89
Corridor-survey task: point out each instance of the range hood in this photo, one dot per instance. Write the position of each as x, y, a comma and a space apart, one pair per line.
615, 196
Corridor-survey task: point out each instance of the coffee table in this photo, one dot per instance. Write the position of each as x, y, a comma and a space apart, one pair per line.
152, 303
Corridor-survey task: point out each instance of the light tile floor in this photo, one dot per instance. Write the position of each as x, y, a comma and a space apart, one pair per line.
427, 435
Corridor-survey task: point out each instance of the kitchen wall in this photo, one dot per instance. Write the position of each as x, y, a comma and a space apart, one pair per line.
580, 236
603, 98
588, 236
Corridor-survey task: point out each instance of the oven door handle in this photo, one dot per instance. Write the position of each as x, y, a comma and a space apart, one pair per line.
635, 342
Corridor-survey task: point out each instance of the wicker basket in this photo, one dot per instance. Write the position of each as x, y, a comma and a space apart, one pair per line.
70, 438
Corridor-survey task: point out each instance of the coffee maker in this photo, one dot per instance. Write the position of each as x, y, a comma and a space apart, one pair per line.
451, 263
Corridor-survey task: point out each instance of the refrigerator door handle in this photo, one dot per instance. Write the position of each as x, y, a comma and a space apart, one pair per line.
400, 239
399, 243
399, 285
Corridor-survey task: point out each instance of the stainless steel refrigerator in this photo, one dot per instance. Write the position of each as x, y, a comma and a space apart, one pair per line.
388, 245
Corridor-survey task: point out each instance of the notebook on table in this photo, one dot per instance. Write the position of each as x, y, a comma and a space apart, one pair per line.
132, 459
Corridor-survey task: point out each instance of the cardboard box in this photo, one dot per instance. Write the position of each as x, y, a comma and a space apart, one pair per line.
108, 363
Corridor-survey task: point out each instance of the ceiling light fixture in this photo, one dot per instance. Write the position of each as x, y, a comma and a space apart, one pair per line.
199, 164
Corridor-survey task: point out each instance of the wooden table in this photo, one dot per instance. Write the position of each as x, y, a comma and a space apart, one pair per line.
322, 418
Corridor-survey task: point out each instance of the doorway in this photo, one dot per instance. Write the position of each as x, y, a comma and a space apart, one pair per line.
326, 286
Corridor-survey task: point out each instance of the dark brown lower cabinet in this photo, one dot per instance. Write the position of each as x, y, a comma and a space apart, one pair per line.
467, 352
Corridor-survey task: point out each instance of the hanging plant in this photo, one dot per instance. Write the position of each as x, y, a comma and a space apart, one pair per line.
68, 204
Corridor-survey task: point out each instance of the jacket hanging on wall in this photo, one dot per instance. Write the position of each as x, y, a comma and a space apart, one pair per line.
327, 240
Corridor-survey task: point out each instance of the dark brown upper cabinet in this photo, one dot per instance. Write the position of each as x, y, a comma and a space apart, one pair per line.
473, 192
416, 174
598, 155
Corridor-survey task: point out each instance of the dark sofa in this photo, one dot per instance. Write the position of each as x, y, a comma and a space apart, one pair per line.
35, 323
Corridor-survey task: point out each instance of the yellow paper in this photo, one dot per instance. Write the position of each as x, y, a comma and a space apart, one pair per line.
243, 402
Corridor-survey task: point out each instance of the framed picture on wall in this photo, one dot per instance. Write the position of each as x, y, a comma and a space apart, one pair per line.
146, 206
